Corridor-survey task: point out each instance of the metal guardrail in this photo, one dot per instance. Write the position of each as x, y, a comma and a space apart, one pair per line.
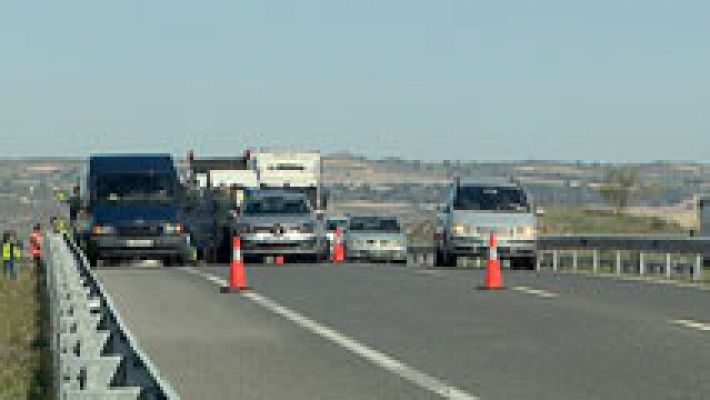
650, 243
643, 243
640, 247
554, 248
94, 355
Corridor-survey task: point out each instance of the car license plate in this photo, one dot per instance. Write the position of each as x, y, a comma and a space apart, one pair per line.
139, 243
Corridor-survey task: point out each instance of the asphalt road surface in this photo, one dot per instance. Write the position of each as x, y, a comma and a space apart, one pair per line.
389, 332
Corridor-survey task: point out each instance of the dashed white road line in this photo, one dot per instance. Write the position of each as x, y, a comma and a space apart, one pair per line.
427, 272
535, 292
376, 357
689, 323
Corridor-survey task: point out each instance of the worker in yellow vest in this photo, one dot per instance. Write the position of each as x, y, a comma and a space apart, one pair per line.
62, 227
11, 254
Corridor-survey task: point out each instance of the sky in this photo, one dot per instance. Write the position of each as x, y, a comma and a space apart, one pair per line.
603, 80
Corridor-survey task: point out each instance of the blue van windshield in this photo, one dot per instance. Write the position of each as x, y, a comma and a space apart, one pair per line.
131, 187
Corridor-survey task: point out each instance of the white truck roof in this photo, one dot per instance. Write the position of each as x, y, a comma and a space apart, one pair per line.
287, 168
231, 177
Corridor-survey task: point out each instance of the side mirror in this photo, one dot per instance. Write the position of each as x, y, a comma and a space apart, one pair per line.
539, 212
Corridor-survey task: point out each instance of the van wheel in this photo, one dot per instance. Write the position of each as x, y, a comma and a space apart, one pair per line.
438, 259
526, 263
453, 261
531, 263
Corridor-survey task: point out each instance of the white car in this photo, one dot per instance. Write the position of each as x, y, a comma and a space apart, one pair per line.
375, 238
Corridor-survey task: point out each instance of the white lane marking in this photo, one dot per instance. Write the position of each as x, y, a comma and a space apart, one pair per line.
536, 292
427, 272
648, 279
376, 357
688, 323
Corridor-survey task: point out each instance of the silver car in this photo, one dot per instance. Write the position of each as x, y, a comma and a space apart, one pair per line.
375, 238
474, 210
276, 223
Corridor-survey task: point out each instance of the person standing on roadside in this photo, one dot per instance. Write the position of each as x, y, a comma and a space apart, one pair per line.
36, 246
11, 253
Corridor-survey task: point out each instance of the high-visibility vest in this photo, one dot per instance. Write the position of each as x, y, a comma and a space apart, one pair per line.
7, 250
62, 225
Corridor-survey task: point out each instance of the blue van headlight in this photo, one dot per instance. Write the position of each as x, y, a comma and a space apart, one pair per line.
99, 230
171, 228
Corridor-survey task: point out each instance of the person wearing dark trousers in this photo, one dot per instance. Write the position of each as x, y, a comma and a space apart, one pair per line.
36, 247
11, 254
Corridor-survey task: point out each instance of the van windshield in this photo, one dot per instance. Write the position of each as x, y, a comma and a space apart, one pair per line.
276, 205
491, 198
374, 224
134, 187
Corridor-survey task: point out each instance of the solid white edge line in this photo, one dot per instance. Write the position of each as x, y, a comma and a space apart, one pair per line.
691, 324
376, 357
536, 292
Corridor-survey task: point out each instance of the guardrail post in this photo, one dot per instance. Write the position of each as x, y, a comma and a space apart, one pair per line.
698, 269
538, 261
618, 262
575, 260
595, 261
555, 260
642, 265
668, 265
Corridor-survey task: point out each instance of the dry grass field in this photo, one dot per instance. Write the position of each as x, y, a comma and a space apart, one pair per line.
24, 362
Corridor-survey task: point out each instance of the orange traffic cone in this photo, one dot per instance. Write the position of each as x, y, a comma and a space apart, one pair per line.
237, 275
279, 260
338, 249
493, 278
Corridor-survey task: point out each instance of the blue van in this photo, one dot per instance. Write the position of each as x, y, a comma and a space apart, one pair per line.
133, 203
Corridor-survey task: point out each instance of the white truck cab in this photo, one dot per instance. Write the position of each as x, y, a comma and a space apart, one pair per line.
295, 171
476, 208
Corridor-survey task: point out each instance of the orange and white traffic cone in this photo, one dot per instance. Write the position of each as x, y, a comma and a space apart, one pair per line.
338, 249
493, 278
279, 260
237, 275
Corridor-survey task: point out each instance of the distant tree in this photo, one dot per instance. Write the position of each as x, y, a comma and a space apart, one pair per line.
619, 186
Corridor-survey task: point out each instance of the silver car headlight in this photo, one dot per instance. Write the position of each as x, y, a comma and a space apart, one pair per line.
530, 231
527, 231
99, 230
461, 229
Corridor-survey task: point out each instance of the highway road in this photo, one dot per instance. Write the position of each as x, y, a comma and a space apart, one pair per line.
387, 332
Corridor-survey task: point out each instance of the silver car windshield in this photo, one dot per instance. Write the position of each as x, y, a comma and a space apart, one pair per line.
276, 205
374, 224
491, 198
